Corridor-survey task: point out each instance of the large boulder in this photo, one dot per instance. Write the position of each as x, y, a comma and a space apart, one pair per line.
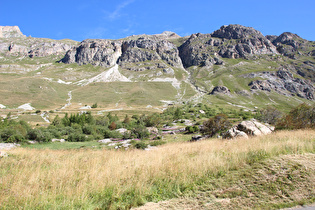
248, 128
220, 90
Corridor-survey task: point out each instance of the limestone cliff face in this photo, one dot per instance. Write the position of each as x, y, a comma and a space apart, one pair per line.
232, 41
97, 52
150, 49
33, 47
107, 52
10, 32
14, 43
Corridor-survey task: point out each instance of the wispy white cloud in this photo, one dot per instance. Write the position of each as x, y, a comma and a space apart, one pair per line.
117, 13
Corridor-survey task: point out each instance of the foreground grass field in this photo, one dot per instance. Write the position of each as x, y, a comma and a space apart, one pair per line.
103, 179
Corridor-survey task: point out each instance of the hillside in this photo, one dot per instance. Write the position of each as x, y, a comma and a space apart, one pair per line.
234, 67
266, 172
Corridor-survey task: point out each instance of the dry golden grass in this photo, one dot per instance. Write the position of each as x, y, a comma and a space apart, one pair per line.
119, 179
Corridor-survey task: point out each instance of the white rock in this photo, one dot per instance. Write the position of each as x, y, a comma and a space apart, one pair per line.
58, 140
8, 146
86, 107
26, 107
250, 128
3, 154
264, 129
122, 130
104, 141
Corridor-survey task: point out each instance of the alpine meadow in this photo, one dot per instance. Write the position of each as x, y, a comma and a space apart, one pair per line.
223, 120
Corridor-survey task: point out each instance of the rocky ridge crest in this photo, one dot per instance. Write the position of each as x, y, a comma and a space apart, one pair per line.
10, 32
125, 53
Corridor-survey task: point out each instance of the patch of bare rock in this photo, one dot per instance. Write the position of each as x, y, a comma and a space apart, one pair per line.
248, 128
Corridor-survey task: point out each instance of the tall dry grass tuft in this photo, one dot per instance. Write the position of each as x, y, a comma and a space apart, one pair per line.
121, 179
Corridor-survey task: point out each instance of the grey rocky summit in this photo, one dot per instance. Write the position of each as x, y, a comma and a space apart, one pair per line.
108, 52
14, 43
10, 32
232, 41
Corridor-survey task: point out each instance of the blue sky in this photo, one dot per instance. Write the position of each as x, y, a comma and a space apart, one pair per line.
107, 19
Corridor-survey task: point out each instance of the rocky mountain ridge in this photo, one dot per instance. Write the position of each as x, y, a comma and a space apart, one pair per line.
234, 64
14, 43
10, 32
232, 42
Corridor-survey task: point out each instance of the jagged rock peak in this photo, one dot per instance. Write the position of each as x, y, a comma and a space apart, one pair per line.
10, 32
106, 53
236, 32
165, 35
290, 39
100, 52
286, 36
168, 35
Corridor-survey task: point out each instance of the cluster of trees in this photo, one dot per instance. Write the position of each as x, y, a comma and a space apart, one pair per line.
85, 126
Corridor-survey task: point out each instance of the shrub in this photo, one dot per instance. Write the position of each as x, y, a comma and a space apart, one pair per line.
269, 115
94, 106
67, 130
16, 138
39, 135
77, 137
215, 125
7, 133
303, 116
54, 132
112, 126
139, 132
192, 129
88, 129
140, 145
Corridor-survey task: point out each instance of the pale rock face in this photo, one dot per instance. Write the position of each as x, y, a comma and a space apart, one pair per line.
96, 52
10, 32
248, 128
107, 53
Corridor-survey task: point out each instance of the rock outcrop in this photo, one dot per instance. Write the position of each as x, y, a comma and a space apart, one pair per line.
248, 128
107, 53
34, 47
149, 49
96, 52
14, 43
283, 82
10, 32
232, 41
220, 90
246, 41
